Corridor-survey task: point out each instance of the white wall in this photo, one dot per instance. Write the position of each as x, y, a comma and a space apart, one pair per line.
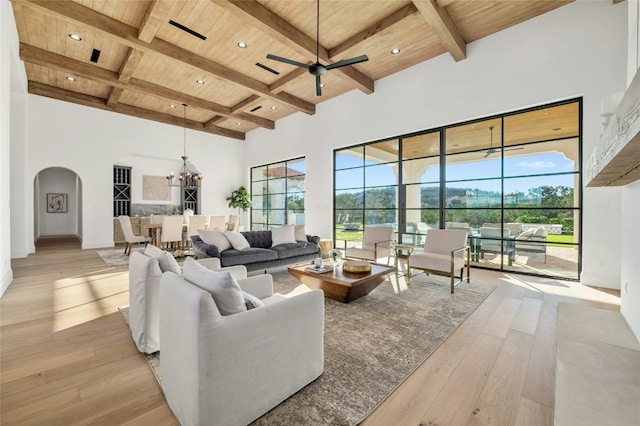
555, 56
90, 141
6, 39
630, 235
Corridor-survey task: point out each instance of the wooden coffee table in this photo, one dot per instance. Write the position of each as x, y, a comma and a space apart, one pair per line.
340, 285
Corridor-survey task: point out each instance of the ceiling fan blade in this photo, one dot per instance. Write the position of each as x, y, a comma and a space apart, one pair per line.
287, 61
347, 62
318, 86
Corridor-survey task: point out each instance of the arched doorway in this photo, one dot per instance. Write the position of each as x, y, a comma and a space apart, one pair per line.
57, 204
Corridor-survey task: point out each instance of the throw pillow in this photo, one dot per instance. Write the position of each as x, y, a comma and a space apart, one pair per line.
540, 231
223, 287
250, 301
215, 237
300, 233
165, 259
526, 234
284, 235
237, 240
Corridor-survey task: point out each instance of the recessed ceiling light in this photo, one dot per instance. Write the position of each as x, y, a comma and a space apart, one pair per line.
71, 78
322, 85
172, 106
274, 107
200, 81
239, 123
75, 37
395, 51
242, 45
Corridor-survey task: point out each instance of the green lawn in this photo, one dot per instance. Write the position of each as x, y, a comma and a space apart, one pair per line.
564, 238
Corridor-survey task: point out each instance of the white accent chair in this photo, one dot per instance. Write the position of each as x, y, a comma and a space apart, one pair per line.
129, 236
230, 370
217, 222
376, 243
144, 296
444, 254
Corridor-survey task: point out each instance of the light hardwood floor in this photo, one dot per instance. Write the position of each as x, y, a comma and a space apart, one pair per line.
67, 357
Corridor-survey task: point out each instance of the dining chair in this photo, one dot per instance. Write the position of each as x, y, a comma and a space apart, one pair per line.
234, 221
171, 234
156, 219
129, 236
216, 222
194, 223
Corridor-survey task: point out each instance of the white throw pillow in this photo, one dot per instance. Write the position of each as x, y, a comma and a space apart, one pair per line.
526, 234
165, 259
300, 233
284, 235
540, 231
237, 240
215, 237
223, 287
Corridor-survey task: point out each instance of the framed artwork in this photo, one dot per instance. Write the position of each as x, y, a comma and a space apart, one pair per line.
56, 203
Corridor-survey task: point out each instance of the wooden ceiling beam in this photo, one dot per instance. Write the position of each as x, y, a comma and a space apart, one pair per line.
277, 85
129, 65
258, 16
443, 26
156, 14
245, 103
114, 96
383, 24
95, 102
45, 58
125, 34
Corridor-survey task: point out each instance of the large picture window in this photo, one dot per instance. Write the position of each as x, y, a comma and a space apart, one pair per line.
511, 181
277, 194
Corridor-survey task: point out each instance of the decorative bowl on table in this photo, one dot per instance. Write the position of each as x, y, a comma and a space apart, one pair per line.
356, 266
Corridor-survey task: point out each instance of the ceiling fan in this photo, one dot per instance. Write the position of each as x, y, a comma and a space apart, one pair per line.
318, 69
493, 150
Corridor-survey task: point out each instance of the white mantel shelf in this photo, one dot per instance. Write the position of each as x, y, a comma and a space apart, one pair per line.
616, 159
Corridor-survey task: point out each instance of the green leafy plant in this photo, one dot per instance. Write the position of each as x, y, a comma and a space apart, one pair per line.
240, 198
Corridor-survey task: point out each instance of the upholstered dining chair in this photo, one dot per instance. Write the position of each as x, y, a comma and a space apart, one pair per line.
194, 223
376, 244
217, 222
234, 221
171, 234
129, 236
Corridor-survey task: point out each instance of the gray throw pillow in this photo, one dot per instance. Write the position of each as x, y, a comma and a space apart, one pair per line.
250, 301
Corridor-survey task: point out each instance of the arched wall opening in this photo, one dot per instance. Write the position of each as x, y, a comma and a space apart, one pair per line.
57, 203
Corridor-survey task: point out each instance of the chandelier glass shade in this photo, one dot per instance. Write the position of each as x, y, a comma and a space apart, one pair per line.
189, 176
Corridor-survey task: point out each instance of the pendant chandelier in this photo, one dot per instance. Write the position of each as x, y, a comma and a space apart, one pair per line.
189, 177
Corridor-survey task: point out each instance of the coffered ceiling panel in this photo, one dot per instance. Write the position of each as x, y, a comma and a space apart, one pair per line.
138, 57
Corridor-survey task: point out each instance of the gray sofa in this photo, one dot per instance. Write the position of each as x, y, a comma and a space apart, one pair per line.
260, 255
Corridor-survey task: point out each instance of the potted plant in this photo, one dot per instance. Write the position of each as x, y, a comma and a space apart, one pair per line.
240, 199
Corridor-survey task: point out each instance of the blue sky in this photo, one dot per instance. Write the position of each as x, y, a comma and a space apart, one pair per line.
535, 164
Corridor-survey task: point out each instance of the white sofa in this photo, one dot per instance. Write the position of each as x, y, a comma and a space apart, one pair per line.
145, 272
230, 370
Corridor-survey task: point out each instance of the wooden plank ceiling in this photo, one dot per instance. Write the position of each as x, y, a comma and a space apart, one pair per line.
133, 59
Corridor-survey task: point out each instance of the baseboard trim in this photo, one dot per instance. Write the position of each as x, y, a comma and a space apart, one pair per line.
600, 280
7, 278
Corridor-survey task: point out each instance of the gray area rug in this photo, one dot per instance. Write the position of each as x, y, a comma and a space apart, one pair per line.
371, 345
115, 257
